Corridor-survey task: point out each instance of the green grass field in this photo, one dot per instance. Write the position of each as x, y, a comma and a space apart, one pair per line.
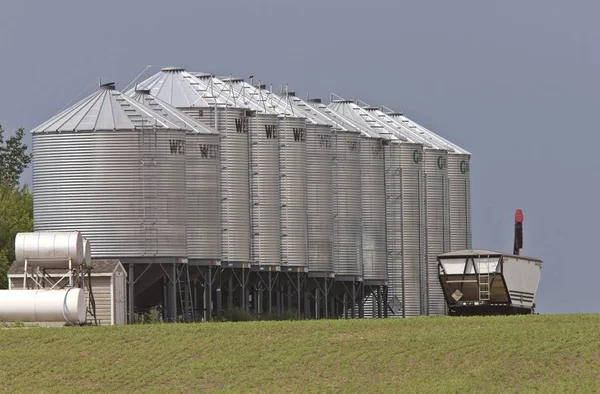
456, 355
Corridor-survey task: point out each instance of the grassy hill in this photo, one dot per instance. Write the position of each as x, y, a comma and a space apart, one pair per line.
491, 354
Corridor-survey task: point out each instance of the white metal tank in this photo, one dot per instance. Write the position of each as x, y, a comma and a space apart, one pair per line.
203, 219
87, 252
65, 305
184, 91
50, 249
115, 171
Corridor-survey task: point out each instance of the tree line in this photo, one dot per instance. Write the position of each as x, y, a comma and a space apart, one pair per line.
16, 202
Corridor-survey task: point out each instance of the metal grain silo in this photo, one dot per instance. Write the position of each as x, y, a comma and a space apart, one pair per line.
291, 134
264, 170
404, 218
347, 210
182, 90
319, 177
459, 184
372, 174
292, 164
202, 179
438, 229
436, 207
114, 170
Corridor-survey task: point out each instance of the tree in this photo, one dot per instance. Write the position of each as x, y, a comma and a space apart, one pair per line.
16, 203
13, 157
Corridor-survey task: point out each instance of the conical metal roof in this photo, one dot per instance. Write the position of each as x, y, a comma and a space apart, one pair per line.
180, 89
105, 110
250, 96
428, 134
356, 115
171, 113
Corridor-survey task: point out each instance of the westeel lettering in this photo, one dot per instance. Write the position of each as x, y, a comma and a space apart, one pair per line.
177, 147
271, 131
241, 125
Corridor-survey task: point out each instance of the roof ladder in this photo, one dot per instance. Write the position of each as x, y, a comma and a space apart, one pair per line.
484, 278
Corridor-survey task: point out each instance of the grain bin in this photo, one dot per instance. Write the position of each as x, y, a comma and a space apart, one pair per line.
291, 133
459, 183
182, 90
406, 220
372, 175
113, 170
437, 202
319, 177
436, 205
347, 234
263, 167
202, 179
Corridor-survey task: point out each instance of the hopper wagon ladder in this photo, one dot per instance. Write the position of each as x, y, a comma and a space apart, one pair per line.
483, 279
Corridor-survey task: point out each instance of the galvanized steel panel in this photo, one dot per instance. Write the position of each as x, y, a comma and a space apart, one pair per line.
122, 189
202, 179
292, 167
372, 175
413, 227
235, 188
319, 190
347, 255
459, 185
202, 196
438, 224
234, 178
264, 180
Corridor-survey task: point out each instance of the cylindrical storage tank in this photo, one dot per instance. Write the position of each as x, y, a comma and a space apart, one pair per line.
235, 185
347, 241
413, 229
202, 186
264, 186
438, 224
50, 249
87, 252
111, 169
372, 175
292, 168
203, 155
319, 191
182, 90
65, 305
459, 183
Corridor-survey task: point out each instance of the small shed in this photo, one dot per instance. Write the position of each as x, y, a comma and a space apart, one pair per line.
108, 286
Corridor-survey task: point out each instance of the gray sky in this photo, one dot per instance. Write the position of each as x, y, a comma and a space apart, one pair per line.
513, 82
